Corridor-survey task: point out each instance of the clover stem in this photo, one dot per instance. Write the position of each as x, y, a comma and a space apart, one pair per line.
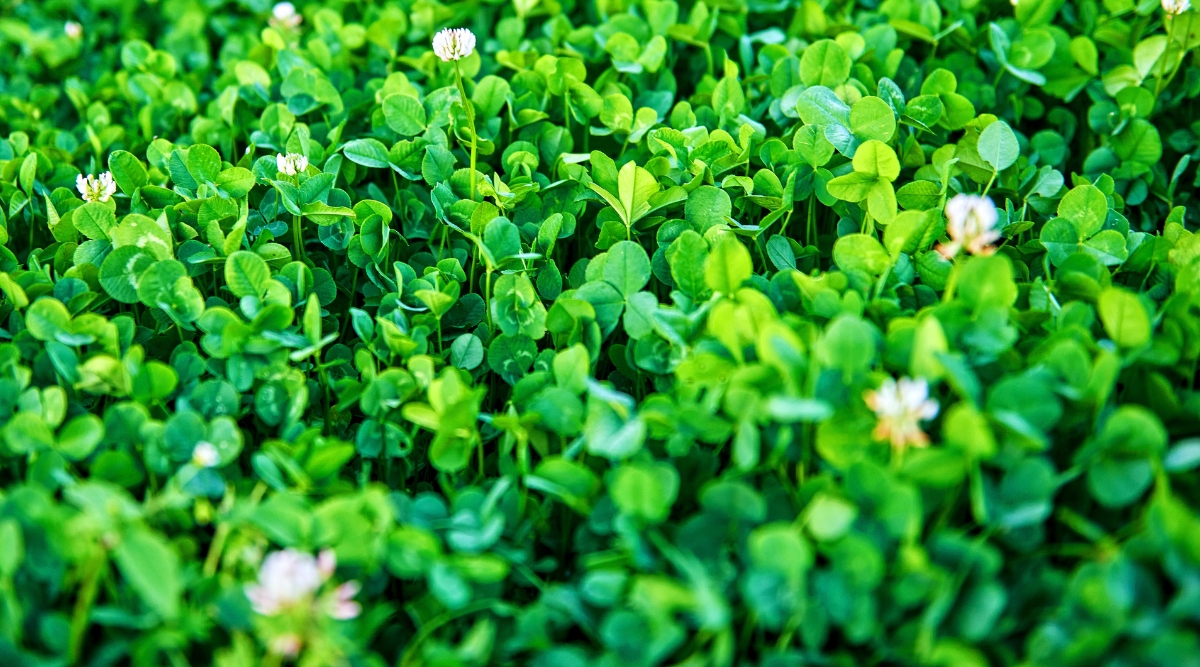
83, 604
487, 298
809, 233
469, 109
951, 283
215, 548
989, 185
296, 238
883, 281
1187, 31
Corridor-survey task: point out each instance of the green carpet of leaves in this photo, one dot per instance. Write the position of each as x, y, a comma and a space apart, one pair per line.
604, 400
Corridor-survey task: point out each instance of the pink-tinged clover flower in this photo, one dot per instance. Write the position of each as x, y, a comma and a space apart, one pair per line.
971, 224
289, 579
899, 408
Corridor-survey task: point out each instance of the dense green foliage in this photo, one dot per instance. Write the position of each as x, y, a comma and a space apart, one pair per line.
623, 395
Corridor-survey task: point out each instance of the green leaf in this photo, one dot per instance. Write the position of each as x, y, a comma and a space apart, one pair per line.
1085, 207
47, 318
875, 158
998, 146
635, 185
367, 152
872, 118
1124, 317
127, 171
707, 207
404, 115
644, 491
688, 258
627, 267
79, 438
235, 181
203, 163
728, 266
94, 220
247, 274
824, 63
861, 252
151, 567
121, 271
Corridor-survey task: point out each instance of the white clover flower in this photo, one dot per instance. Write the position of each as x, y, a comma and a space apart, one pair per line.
285, 579
291, 164
326, 563
205, 455
341, 605
1176, 7
285, 14
971, 224
899, 407
96, 189
73, 29
290, 578
453, 44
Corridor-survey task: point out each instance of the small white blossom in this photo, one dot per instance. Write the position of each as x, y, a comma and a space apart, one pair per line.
1014, 2
971, 224
1176, 7
285, 14
899, 407
326, 563
454, 44
286, 578
291, 164
290, 578
96, 189
73, 30
205, 455
341, 605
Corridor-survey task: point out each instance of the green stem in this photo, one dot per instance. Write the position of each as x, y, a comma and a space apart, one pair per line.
1187, 31
214, 550
989, 184
487, 298
83, 604
296, 238
469, 109
951, 283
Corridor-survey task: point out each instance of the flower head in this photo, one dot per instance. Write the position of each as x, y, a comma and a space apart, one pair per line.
284, 14
96, 189
971, 224
289, 579
286, 578
453, 44
205, 455
340, 605
899, 406
73, 29
291, 164
1176, 7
